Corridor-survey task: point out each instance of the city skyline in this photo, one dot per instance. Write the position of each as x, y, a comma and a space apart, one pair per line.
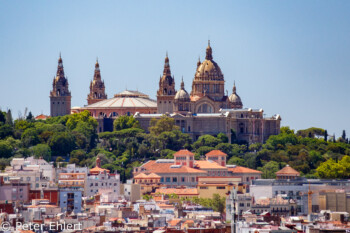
296, 67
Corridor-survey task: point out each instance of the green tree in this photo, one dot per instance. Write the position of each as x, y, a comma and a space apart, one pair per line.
6, 150
2, 117
9, 119
30, 137
30, 117
62, 143
222, 137
125, 122
164, 124
206, 140
5, 130
269, 169
41, 150
331, 170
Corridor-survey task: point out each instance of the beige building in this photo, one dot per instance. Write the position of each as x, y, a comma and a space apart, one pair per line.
334, 200
206, 109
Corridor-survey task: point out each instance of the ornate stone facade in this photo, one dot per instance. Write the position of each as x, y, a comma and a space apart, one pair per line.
166, 91
97, 87
60, 97
208, 91
206, 110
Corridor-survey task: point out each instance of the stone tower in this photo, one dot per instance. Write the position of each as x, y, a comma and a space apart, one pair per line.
166, 92
60, 97
97, 87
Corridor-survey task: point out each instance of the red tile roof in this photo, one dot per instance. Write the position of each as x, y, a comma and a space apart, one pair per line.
216, 152
161, 168
205, 164
183, 152
180, 192
41, 117
239, 169
287, 170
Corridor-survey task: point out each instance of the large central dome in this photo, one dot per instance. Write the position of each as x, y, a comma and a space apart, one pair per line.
208, 79
209, 69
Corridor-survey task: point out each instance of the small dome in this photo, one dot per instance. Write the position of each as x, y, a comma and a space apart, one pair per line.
182, 93
234, 98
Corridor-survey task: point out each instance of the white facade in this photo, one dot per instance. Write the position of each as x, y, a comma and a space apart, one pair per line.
102, 181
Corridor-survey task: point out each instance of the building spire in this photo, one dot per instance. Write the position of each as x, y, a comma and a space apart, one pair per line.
209, 55
182, 83
167, 66
234, 87
60, 71
199, 61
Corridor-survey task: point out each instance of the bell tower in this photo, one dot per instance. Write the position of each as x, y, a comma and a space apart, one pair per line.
166, 92
97, 87
60, 96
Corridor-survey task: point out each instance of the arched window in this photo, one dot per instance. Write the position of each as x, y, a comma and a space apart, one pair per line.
58, 92
205, 108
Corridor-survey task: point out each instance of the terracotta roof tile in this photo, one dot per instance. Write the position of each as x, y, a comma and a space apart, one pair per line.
161, 168
174, 222
204, 164
189, 191
183, 152
287, 170
216, 152
239, 169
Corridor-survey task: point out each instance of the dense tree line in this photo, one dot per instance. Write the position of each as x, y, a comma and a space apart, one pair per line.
74, 139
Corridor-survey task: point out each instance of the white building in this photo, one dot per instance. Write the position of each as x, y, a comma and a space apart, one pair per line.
99, 179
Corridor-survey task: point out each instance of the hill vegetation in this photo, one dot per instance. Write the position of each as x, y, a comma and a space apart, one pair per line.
74, 139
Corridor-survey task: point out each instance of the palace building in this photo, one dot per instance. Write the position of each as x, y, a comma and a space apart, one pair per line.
206, 109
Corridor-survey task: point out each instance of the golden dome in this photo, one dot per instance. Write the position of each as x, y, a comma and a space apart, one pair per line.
209, 69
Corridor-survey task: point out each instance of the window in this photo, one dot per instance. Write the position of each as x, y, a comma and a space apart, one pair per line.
162, 179
193, 180
28, 178
182, 179
167, 179
220, 187
174, 179
203, 187
241, 204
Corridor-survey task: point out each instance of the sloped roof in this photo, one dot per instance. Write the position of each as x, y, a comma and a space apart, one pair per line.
41, 117
216, 152
189, 191
205, 164
126, 99
98, 170
239, 169
183, 152
161, 168
288, 170
145, 176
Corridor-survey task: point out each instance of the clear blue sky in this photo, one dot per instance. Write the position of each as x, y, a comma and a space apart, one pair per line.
287, 57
